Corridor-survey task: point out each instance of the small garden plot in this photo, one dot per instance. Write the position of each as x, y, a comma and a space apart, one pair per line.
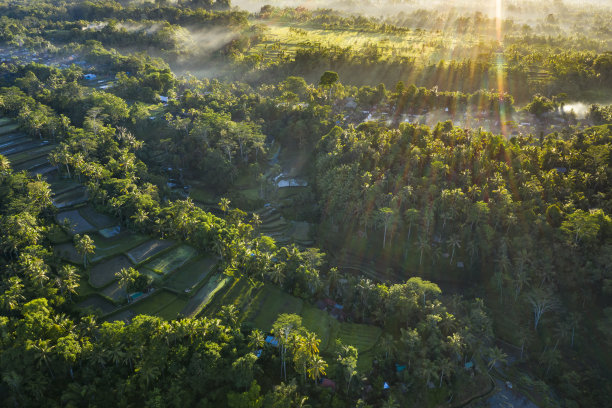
108, 247
68, 252
98, 304
21, 157
190, 275
114, 292
153, 303
268, 304
203, 297
62, 185
171, 260
97, 219
149, 249
78, 224
8, 127
362, 336
103, 273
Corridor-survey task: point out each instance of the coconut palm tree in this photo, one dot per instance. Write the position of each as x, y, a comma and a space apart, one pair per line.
454, 242
316, 367
84, 246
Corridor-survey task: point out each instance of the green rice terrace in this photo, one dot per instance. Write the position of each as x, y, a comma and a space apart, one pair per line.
186, 283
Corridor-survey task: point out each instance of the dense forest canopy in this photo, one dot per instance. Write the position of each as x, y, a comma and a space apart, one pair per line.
372, 204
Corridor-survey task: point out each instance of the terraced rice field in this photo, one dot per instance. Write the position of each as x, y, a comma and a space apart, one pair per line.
171, 260
114, 292
96, 218
78, 224
97, 303
187, 277
68, 252
268, 304
149, 249
109, 247
203, 297
155, 304
8, 127
103, 273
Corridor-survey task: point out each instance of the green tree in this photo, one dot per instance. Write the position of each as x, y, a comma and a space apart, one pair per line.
84, 246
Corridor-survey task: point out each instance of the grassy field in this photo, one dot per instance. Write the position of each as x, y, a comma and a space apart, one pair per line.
68, 252
149, 249
171, 260
114, 292
191, 274
108, 247
322, 323
241, 293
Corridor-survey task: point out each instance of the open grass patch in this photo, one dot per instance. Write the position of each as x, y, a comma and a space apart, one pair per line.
148, 249
108, 247
97, 304
4, 121
96, 218
203, 296
103, 273
171, 260
268, 304
191, 274
78, 224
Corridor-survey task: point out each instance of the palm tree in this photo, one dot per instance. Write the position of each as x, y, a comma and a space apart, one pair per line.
390, 403
316, 367
84, 246
256, 220
224, 204
69, 280
256, 340
454, 242
423, 245
126, 277
42, 351
277, 274
386, 217
496, 355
